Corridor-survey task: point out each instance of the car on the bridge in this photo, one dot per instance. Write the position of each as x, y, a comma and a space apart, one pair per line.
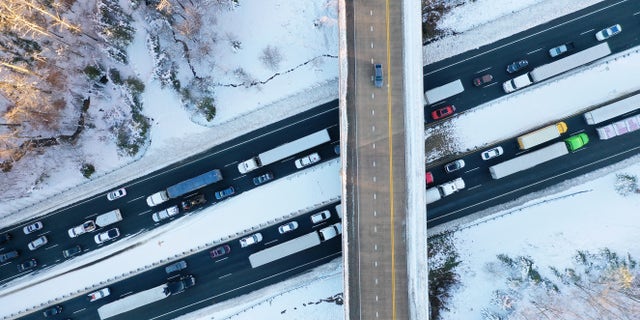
263, 178
98, 294
484, 79
220, 251
607, 33
378, 80
27, 265
165, 214
108, 235
68, 253
116, 194
52, 311
224, 193
37, 243
517, 66
32, 227
288, 227
492, 153
443, 112
87, 226
247, 241
193, 201
307, 160
454, 166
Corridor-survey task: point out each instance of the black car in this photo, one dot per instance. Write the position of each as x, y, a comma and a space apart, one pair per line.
263, 178
52, 311
68, 253
27, 265
177, 286
5, 237
191, 202
517, 66
4, 257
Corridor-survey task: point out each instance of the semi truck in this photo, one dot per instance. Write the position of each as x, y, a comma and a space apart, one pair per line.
108, 218
440, 93
619, 128
534, 158
612, 110
142, 298
184, 187
284, 249
557, 67
542, 135
438, 192
283, 151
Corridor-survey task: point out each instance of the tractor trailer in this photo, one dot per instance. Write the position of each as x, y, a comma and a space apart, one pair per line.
542, 135
184, 187
442, 92
557, 67
612, 110
438, 192
534, 158
284, 151
619, 128
284, 249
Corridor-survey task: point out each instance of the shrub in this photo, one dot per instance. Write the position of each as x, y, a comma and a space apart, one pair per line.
92, 72
87, 170
206, 106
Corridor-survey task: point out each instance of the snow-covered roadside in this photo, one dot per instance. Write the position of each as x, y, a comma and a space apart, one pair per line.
192, 233
539, 104
550, 230
483, 22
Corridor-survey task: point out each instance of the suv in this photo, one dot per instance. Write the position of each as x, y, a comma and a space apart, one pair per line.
266, 177
52, 311
32, 227
88, 226
454, 166
27, 265
320, 216
220, 251
108, 235
307, 160
68, 253
517, 66
224, 193
607, 33
98, 294
378, 75
37, 243
288, 227
247, 241
8, 256
175, 266
165, 214
191, 202
330, 231
177, 286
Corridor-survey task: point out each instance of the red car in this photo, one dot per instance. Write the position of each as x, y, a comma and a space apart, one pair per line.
443, 112
429, 177
482, 80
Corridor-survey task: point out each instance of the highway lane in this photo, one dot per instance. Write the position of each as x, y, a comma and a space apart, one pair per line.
136, 213
483, 192
532, 44
217, 279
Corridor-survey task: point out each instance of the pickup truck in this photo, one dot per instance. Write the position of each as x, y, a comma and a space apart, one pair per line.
561, 49
88, 226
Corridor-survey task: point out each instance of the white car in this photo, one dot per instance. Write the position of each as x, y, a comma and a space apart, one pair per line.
307, 160
98, 294
254, 238
32, 227
107, 235
88, 226
37, 243
454, 166
607, 33
116, 194
288, 227
492, 153
320, 216
165, 214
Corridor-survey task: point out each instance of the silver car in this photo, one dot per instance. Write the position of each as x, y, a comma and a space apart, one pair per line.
32, 227
288, 227
37, 243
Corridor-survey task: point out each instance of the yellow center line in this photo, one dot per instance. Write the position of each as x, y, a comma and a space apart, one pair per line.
391, 198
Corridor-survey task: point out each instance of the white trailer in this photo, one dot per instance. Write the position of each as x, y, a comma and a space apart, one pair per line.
132, 302
570, 62
284, 151
108, 218
528, 160
442, 92
438, 192
284, 249
542, 135
612, 110
619, 128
